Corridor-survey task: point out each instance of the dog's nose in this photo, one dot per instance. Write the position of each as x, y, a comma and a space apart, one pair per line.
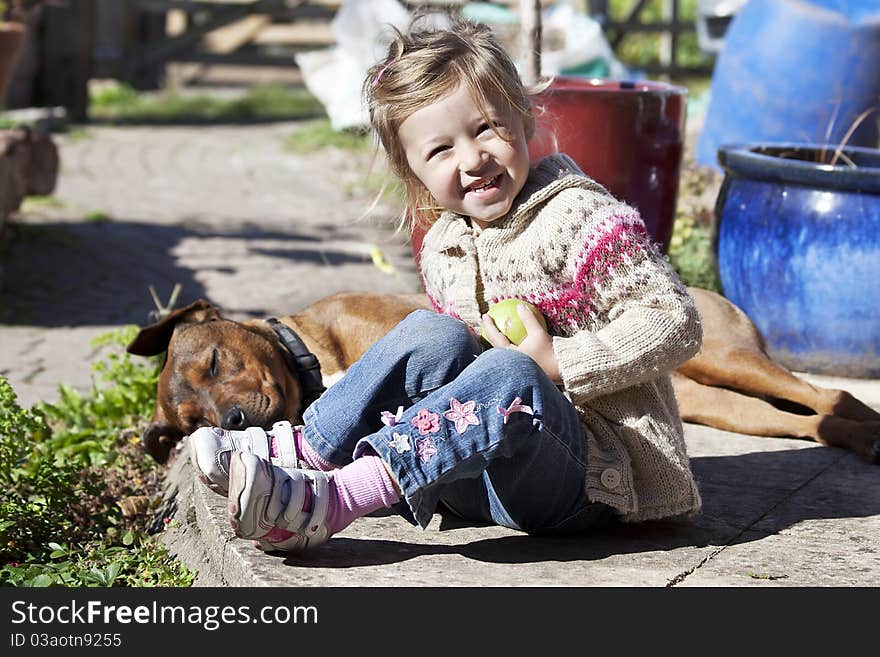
234, 419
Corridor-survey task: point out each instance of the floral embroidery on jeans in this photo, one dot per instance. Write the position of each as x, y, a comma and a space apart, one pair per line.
462, 414
515, 407
426, 422
400, 442
425, 449
390, 419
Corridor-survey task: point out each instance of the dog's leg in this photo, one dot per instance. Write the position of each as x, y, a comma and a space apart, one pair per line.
754, 373
731, 411
733, 356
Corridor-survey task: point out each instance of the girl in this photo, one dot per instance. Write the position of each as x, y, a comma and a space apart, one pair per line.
556, 435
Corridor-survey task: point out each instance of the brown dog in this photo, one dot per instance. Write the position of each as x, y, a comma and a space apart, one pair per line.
220, 372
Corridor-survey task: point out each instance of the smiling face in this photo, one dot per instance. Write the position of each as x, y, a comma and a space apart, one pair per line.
467, 166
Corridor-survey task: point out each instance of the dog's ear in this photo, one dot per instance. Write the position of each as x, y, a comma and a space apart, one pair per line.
159, 439
154, 339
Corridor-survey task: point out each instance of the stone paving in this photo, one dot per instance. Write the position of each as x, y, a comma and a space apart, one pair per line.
231, 216
225, 212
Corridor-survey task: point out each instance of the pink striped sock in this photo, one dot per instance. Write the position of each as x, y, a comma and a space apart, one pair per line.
306, 452
357, 489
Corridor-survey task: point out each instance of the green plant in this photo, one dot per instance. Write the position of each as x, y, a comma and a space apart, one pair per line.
643, 48
690, 247
33, 202
41, 499
120, 103
85, 428
97, 217
690, 252
66, 471
145, 564
316, 135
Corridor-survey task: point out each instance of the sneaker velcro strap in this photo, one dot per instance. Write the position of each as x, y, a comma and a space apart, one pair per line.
320, 503
259, 442
293, 518
286, 445
292, 513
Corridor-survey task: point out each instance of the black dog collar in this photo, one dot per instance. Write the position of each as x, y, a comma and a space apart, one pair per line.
304, 363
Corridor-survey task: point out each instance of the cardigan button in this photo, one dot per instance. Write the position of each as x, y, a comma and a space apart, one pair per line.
610, 478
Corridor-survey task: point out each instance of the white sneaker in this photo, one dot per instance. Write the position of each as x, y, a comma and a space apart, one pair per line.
266, 504
211, 448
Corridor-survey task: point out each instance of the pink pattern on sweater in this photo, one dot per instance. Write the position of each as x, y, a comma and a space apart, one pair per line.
615, 239
448, 309
435, 303
618, 239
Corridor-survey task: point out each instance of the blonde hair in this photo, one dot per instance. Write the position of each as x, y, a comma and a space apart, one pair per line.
424, 65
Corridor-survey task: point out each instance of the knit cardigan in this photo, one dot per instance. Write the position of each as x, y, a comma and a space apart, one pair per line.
620, 318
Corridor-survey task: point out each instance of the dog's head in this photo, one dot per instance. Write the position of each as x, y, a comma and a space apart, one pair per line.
217, 372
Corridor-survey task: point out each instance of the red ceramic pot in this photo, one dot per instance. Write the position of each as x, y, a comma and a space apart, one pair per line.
628, 136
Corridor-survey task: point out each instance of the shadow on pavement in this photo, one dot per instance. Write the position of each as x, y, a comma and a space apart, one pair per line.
85, 273
750, 497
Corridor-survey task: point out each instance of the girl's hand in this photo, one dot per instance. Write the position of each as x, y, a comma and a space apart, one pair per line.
538, 344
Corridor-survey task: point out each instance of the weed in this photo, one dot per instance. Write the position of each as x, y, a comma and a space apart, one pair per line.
690, 252
41, 499
146, 564
76, 135
66, 471
838, 152
273, 101
98, 217
33, 202
828, 153
690, 247
317, 135
120, 103
113, 95
86, 428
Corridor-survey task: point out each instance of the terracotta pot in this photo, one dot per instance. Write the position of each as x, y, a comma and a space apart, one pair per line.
11, 38
628, 136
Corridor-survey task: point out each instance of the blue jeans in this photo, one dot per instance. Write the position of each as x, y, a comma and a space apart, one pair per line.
486, 433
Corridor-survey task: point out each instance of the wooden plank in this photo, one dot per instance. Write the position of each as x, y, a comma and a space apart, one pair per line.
243, 58
189, 5
300, 33
233, 36
208, 5
171, 47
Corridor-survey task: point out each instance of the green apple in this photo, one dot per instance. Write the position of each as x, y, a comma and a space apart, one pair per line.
508, 322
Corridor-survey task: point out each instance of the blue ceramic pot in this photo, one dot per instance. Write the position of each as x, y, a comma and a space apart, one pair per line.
797, 244
795, 70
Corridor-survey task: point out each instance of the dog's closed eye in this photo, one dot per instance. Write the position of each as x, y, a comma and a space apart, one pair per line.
215, 365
